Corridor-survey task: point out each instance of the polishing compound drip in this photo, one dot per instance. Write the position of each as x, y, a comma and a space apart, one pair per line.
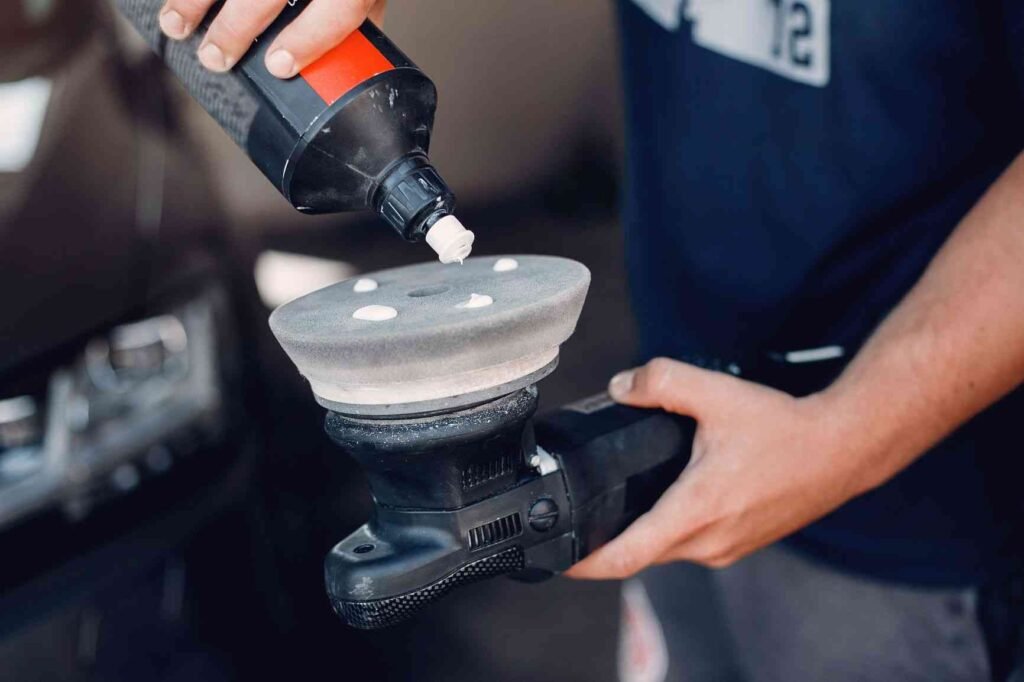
452, 242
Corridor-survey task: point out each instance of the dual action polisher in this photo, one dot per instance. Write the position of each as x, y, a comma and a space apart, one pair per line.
428, 374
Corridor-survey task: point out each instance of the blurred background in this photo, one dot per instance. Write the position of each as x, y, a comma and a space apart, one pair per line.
167, 495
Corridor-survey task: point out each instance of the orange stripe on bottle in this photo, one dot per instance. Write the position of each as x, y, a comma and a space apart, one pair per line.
344, 67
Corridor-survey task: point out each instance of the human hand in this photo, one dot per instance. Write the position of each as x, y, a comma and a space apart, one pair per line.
764, 464
323, 24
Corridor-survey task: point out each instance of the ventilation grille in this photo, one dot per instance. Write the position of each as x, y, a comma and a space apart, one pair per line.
495, 531
479, 473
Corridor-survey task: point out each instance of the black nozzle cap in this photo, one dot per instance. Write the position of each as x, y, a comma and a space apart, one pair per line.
412, 197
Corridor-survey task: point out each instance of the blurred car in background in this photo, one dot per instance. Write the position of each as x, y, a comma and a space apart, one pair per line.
166, 493
120, 418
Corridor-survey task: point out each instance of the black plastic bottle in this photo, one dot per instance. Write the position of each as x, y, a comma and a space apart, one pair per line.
350, 132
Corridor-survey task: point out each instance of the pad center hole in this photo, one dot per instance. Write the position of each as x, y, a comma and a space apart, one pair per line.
428, 291
363, 549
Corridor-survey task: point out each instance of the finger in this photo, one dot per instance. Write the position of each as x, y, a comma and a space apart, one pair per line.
667, 384
323, 25
179, 18
706, 548
645, 542
639, 546
232, 33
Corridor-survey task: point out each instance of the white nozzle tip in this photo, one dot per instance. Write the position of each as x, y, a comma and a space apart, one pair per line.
452, 242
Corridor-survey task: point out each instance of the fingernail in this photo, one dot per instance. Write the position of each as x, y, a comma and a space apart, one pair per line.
621, 384
173, 24
281, 63
213, 58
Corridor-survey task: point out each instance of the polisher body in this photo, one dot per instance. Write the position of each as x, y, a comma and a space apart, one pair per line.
490, 491
428, 375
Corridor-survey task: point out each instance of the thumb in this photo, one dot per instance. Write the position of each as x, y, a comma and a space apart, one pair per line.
668, 384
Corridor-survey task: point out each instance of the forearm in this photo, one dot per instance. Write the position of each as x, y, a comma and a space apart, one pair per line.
952, 347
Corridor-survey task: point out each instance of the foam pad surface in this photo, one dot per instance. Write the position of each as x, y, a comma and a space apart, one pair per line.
434, 335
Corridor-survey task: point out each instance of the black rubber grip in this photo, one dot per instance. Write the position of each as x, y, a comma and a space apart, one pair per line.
371, 615
225, 96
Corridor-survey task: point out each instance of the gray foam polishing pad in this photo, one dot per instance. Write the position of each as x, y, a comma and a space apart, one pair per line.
432, 337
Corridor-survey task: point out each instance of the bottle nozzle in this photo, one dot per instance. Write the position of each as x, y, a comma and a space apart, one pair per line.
452, 242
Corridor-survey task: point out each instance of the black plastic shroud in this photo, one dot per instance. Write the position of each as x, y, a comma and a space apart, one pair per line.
485, 491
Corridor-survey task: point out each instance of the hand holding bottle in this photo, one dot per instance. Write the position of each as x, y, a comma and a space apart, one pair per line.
323, 24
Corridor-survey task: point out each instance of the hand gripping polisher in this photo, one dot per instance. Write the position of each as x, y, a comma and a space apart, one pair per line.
428, 374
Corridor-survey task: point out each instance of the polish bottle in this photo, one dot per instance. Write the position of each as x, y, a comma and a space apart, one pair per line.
349, 132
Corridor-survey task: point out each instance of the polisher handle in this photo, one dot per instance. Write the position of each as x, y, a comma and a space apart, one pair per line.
404, 560
613, 462
387, 611
617, 462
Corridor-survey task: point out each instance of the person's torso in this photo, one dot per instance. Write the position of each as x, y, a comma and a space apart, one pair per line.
792, 167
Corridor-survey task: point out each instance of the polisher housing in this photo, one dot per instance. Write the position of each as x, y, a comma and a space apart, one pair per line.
428, 376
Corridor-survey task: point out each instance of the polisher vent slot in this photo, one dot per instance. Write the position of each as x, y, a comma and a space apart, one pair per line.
479, 473
495, 531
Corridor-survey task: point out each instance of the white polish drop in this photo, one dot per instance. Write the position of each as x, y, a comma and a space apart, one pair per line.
506, 265
375, 313
477, 301
364, 285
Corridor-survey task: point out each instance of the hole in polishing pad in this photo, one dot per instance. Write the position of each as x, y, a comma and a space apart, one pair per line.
428, 291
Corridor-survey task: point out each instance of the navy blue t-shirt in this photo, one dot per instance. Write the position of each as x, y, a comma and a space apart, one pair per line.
792, 168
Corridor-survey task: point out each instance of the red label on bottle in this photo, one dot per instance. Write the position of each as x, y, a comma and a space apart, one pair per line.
352, 62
